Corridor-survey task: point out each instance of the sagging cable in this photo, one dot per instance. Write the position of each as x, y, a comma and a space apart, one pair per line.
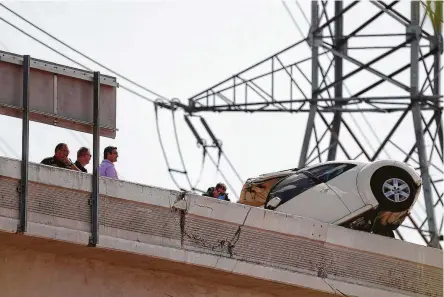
165, 157
201, 142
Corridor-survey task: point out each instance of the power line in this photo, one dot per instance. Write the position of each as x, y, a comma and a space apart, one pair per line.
10, 148
83, 55
165, 157
205, 152
293, 19
126, 88
70, 59
58, 52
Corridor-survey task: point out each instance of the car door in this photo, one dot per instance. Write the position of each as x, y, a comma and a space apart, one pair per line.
341, 178
305, 196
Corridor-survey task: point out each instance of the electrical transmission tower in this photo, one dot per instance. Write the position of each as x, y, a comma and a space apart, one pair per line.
385, 70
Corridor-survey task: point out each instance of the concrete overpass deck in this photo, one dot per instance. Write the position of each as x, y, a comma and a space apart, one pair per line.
163, 243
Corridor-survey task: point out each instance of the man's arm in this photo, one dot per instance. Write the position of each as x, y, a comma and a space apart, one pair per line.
74, 167
71, 165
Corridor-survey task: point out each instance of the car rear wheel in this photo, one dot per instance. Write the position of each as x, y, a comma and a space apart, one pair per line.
393, 188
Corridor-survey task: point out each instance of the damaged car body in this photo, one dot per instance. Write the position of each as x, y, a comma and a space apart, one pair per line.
374, 197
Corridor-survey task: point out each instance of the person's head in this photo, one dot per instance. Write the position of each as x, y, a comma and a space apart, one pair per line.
61, 151
220, 189
83, 156
110, 154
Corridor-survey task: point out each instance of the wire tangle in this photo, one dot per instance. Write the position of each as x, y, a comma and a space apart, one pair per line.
201, 143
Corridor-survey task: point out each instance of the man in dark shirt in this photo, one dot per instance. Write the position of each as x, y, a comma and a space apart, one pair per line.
83, 158
60, 158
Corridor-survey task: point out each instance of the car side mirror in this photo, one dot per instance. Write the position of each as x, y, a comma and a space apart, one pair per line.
273, 203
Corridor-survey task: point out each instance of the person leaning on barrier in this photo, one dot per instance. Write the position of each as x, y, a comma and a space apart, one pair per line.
60, 158
83, 158
218, 192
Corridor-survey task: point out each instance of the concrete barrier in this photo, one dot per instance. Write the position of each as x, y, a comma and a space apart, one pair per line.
219, 235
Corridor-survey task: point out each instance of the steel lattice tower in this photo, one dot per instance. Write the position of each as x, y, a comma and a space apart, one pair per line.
404, 62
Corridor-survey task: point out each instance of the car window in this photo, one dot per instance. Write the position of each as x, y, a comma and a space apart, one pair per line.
291, 186
329, 171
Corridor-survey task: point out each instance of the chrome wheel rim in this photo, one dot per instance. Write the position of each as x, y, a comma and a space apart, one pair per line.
396, 190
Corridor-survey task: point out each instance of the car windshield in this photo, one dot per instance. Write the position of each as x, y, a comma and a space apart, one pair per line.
327, 172
291, 186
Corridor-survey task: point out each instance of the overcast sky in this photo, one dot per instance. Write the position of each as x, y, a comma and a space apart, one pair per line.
180, 48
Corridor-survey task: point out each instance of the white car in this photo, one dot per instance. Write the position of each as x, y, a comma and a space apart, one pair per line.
373, 197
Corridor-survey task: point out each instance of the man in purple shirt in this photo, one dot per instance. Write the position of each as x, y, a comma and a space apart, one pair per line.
107, 168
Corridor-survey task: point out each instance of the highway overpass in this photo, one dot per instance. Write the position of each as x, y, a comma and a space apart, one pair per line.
159, 242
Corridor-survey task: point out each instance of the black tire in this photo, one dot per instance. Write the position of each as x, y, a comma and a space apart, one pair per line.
384, 174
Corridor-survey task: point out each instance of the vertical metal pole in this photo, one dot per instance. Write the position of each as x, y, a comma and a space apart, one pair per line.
23, 207
96, 154
416, 112
314, 35
437, 77
336, 125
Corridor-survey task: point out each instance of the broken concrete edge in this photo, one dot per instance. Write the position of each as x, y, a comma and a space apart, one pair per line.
233, 213
275, 274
